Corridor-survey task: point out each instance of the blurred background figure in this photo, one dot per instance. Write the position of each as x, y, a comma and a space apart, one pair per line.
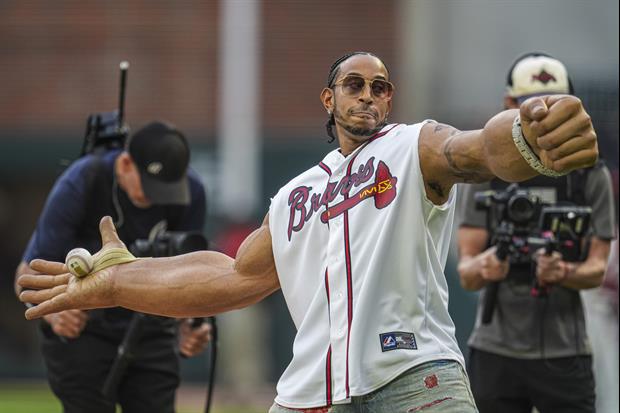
529, 346
601, 308
238, 77
144, 186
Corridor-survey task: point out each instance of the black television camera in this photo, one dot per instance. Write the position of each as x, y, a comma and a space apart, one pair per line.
511, 218
521, 223
164, 243
107, 130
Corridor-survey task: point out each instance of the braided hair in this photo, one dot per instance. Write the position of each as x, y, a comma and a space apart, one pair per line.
331, 78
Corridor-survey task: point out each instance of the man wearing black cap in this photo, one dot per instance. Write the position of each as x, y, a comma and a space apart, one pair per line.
140, 186
534, 350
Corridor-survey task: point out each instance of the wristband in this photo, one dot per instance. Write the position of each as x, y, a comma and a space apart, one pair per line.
527, 153
112, 256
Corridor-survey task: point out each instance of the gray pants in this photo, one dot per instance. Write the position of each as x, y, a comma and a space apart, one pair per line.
436, 386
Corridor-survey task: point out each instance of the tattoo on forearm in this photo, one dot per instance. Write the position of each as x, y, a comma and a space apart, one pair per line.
466, 176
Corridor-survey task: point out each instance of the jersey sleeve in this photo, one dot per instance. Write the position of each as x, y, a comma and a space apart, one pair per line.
63, 212
469, 215
599, 195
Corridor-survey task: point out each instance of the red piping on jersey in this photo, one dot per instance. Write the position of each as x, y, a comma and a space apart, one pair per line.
380, 134
329, 174
347, 253
372, 138
328, 359
325, 168
328, 377
327, 291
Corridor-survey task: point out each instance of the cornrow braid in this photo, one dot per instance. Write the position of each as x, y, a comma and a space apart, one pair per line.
331, 78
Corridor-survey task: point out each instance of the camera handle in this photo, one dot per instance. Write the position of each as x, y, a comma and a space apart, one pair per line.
550, 244
503, 238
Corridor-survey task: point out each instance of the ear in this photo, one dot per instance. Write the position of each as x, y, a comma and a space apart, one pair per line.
125, 163
327, 98
510, 102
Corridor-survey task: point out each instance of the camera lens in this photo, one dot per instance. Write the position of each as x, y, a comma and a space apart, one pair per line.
521, 209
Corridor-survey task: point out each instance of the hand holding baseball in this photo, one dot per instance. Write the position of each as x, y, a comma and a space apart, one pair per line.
79, 262
560, 132
55, 289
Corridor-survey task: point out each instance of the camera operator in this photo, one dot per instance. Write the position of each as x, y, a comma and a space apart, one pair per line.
140, 186
534, 350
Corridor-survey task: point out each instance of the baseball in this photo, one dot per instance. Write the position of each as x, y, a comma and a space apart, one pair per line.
79, 261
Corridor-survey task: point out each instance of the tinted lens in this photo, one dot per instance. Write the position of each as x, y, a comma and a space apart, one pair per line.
353, 85
381, 88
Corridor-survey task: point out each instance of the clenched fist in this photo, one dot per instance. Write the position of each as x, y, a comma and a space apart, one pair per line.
560, 132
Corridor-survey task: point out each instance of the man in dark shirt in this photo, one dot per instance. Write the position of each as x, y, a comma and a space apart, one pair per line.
535, 351
141, 186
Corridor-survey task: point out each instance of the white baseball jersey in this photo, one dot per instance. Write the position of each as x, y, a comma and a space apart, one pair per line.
360, 252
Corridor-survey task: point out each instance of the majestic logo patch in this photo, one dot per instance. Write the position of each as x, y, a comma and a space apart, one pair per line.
397, 340
544, 77
382, 190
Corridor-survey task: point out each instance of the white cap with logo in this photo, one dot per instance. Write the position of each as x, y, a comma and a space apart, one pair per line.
536, 75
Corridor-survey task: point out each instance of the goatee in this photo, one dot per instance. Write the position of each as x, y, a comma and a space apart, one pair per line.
360, 131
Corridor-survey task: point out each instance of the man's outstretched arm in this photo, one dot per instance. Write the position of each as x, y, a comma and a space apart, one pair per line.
196, 284
557, 129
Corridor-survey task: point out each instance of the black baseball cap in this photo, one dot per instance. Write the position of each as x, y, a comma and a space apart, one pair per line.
161, 154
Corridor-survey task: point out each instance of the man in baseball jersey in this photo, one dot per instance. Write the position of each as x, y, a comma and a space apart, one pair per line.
357, 244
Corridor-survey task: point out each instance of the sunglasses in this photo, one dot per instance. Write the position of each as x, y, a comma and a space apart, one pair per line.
353, 85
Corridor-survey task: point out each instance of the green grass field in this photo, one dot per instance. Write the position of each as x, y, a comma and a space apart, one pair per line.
37, 398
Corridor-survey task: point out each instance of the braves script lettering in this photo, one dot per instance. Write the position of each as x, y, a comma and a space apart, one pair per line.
304, 203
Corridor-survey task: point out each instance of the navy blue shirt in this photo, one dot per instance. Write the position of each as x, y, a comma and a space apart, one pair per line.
85, 192
58, 229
